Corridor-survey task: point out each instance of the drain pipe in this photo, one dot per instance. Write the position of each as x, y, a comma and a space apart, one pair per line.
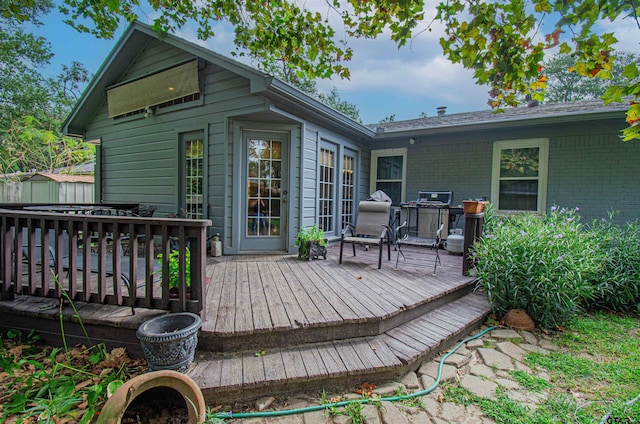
264, 414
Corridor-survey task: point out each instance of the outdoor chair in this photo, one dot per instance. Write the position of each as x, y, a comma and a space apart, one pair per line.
372, 228
406, 240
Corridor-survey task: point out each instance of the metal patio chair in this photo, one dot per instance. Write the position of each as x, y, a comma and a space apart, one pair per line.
371, 229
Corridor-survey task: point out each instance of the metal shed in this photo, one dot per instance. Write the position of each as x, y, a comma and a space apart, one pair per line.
58, 188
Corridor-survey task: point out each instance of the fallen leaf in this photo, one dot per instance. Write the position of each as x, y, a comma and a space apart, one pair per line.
84, 383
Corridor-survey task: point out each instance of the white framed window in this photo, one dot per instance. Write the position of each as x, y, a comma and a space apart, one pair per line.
389, 173
519, 175
348, 187
327, 189
192, 152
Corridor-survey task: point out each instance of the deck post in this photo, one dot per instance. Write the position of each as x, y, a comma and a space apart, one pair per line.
473, 224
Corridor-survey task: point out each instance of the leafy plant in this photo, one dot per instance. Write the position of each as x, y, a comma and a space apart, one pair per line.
542, 264
618, 287
305, 236
174, 268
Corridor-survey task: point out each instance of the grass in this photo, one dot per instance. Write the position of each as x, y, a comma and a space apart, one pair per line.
595, 378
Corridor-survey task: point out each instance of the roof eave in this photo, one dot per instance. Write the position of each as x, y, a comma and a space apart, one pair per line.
503, 124
283, 91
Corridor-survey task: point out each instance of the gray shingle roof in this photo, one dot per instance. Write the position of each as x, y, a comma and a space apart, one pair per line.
524, 112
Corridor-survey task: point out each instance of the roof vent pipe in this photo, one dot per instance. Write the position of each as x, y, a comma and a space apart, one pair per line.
441, 110
530, 101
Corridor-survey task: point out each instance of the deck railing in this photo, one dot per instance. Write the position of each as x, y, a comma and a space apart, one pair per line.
105, 259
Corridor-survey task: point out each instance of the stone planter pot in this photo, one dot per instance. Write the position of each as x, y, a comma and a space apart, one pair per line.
169, 341
118, 404
316, 249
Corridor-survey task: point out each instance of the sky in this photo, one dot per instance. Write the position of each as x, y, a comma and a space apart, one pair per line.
385, 80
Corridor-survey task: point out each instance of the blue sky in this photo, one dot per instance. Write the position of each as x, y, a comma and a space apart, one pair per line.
384, 80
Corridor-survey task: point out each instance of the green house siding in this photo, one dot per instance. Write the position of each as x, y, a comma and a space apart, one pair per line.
589, 167
597, 173
463, 167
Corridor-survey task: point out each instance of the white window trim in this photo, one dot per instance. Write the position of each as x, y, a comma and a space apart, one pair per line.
543, 145
375, 154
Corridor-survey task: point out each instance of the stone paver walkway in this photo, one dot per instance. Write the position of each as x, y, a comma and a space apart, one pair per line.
481, 366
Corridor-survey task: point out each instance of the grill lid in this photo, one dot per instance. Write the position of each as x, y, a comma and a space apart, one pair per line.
435, 198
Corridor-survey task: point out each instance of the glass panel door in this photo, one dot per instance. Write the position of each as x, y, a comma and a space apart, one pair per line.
265, 200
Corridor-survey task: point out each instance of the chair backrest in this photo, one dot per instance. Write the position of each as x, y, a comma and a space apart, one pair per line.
372, 216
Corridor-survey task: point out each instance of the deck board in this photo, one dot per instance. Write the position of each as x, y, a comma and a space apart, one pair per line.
328, 296
274, 367
290, 305
252, 369
313, 363
258, 300
331, 359
350, 358
293, 364
273, 302
326, 310
216, 272
226, 309
243, 321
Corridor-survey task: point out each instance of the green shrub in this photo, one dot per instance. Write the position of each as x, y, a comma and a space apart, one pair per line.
542, 264
618, 287
174, 267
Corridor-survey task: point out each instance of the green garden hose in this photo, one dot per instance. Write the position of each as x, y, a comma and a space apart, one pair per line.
230, 414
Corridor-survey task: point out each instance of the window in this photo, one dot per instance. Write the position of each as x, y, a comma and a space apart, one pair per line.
327, 187
193, 154
519, 179
348, 188
388, 173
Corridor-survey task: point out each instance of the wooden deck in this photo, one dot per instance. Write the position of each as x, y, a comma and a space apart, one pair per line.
277, 324
285, 325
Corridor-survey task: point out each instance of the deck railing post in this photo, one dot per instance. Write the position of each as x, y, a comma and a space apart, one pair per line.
472, 232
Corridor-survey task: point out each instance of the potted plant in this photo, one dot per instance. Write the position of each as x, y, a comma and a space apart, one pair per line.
311, 243
473, 206
174, 270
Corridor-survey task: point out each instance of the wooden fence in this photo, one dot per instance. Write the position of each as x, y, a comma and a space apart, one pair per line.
105, 259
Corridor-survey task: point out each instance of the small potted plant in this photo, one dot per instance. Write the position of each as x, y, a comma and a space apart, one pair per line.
311, 243
473, 206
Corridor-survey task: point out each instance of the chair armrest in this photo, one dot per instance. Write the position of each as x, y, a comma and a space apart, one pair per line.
350, 228
399, 229
386, 231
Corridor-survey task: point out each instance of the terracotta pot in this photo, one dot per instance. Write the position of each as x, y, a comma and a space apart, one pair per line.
518, 319
472, 206
119, 402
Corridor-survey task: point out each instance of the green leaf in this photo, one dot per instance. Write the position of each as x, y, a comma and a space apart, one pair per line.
113, 386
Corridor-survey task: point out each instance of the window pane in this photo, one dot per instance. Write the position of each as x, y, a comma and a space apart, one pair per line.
519, 162
326, 189
519, 195
348, 189
389, 168
193, 169
393, 190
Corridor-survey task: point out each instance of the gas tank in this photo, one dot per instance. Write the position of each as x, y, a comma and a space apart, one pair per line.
455, 242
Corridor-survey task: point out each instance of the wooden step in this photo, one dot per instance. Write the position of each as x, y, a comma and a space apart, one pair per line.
241, 376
